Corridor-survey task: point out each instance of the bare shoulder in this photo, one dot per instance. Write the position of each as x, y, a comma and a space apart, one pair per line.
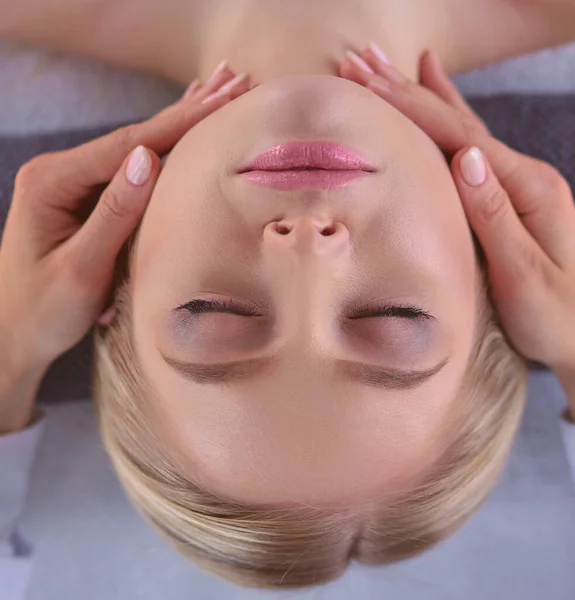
554, 11
476, 34
129, 33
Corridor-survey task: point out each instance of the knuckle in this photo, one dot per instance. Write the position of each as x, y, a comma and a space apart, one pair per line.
522, 275
495, 206
111, 207
32, 172
529, 268
552, 181
126, 137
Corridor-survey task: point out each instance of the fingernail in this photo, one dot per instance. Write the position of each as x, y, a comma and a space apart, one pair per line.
191, 88
226, 88
211, 97
379, 53
216, 72
473, 167
379, 84
139, 166
231, 84
359, 62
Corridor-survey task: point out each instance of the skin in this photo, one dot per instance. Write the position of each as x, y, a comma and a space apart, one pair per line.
399, 235
295, 432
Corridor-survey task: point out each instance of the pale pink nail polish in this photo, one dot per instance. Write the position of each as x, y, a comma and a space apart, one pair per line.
231, 84
359, 62
473, 168
139, 167
379, 85
226, 88
216, 72
213, 96
379, 53
191, 88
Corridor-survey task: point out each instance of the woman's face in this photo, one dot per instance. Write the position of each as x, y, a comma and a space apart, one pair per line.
309, 399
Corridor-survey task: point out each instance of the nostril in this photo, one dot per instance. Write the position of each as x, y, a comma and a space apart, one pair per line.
327, 231
282, 229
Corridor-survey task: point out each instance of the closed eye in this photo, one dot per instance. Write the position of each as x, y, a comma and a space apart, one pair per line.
402, 311
199, 306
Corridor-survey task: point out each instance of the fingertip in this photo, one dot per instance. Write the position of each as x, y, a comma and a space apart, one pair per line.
139, 166
375, 58
430, 68
349, 71
472, 166
370, 58
217, 100
433, 58
142, 166
191, 89
157, 164
345, 69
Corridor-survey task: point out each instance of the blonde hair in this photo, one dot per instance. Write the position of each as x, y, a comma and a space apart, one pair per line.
277, 547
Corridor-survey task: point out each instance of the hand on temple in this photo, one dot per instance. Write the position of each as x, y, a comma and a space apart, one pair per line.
520, 208
62, 238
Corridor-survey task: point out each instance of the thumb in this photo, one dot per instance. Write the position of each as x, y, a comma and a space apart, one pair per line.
115, 217
508, 247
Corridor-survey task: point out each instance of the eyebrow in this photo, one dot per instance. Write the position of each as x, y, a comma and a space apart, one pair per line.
366, 374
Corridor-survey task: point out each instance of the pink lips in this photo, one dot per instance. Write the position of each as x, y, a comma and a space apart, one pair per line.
296, 165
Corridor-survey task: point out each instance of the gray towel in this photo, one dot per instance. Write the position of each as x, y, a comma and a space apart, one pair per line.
538, 125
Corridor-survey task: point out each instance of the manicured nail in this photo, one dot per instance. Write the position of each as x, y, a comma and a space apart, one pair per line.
359, 62
231, 84
216, 72
211, 97
139, 167
379, 53
473, 168
226, 88
191, 88
378, 84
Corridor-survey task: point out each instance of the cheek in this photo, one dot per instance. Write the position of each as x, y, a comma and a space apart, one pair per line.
434, 214
183, 219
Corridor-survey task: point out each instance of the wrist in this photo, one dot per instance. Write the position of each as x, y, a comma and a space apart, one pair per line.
20, 378
17, 356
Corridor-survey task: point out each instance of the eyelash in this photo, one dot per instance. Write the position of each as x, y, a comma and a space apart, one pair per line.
405, 311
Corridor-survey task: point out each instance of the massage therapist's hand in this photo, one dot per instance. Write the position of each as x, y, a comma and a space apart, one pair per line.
520, 208
61, 243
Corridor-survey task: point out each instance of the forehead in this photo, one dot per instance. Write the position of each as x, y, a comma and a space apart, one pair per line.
304, 439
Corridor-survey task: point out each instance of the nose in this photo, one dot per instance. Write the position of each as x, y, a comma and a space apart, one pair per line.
307, 236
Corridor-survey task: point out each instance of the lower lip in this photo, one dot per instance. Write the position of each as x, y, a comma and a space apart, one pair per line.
294, 180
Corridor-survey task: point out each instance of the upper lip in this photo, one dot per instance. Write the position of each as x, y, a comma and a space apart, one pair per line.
320, 155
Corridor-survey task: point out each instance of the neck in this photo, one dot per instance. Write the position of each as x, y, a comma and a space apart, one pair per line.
272, 39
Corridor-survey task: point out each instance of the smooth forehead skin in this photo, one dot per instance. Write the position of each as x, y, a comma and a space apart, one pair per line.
301, 432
